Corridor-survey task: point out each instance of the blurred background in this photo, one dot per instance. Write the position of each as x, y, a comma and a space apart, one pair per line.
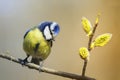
17, 16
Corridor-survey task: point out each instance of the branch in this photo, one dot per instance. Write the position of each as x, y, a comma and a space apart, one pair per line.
46, 70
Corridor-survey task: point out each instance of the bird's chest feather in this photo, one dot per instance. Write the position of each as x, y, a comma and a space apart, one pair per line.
35, 45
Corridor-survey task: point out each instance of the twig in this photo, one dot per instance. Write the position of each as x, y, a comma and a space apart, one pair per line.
89, 49
91, 37
46, 70
84, 68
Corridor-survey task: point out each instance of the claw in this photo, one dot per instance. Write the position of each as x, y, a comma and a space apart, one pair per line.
24, 61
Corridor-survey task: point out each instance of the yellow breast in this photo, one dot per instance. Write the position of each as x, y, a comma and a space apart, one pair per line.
34, 37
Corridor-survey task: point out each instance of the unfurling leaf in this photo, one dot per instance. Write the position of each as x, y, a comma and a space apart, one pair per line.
84, 53
97, 18
92, 46
101, 40
87, 26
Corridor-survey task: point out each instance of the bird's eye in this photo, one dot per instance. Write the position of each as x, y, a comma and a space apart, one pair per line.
53, 30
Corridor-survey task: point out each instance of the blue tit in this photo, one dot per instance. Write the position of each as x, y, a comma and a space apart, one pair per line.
39, 40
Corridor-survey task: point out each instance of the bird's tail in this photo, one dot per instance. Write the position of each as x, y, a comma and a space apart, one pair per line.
35, 61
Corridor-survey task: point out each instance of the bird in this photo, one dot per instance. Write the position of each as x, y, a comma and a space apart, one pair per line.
38, 41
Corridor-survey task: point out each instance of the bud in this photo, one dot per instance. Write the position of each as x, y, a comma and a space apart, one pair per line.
84, 53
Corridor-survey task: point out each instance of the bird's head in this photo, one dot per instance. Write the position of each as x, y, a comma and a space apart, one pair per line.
49, 29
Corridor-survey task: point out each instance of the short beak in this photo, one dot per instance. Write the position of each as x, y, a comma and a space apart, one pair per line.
53, 38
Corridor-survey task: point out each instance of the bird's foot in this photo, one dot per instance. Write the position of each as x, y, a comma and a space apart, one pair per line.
23, 61
40, 69
40, 66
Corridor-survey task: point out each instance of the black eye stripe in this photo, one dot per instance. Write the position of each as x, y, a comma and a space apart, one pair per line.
51, 34
50, 31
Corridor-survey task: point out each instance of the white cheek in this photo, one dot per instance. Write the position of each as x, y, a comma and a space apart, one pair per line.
47, 33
